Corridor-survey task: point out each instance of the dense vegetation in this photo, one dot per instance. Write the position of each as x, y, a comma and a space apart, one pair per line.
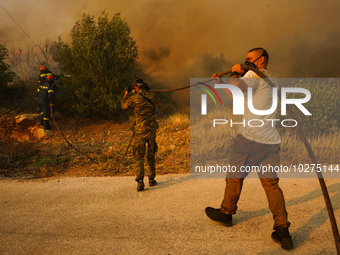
100, 62
6, 75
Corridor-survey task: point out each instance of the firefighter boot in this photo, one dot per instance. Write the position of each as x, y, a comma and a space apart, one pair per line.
41, 119
47, 125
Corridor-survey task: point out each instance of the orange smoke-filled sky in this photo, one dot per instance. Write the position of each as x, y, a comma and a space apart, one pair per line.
171, 35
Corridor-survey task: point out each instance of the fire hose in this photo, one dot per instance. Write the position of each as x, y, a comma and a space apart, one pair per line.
91, 159
290, 112
302, 137
314, 161
61, 133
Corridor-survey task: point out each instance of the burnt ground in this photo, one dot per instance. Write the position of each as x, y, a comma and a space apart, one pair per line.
100, 144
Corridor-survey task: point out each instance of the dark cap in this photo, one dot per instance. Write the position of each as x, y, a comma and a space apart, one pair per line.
139, 82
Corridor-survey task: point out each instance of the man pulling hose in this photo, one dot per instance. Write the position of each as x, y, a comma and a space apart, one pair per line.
145, 128
254, 147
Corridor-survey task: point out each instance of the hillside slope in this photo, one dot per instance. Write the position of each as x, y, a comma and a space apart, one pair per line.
22, 155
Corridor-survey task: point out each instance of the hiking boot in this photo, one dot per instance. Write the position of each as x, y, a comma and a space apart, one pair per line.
152, 182
281, 236
217, 215
46, 125
140, 185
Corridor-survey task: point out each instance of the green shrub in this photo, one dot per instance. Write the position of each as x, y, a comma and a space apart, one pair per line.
6, 75
101, 62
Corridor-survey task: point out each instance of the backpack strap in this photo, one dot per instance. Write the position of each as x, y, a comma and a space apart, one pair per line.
149, 100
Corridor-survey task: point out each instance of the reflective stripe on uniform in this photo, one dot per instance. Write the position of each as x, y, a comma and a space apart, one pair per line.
46, 118
45, 74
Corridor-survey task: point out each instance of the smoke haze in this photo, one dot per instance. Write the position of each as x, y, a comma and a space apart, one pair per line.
174, 37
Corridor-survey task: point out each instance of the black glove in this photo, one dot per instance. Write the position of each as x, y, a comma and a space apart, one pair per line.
129, 88
234, 73
146, 87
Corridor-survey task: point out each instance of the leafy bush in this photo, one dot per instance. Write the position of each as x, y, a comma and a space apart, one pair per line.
101, 61
6, 75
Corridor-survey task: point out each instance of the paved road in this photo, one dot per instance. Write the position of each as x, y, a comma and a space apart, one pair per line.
107, 215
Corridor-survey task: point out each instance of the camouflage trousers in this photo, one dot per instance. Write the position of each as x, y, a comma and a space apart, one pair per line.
145, 143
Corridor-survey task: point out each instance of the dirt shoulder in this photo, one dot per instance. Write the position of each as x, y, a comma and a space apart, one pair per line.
101, 144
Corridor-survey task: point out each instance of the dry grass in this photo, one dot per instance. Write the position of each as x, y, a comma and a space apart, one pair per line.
175, 122
106, 142
326, 148
213, 143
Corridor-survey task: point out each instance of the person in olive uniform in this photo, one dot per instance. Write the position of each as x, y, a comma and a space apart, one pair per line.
145, 128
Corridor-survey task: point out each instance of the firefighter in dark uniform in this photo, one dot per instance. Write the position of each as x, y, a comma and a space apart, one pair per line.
45, 98
143, 103
44, 72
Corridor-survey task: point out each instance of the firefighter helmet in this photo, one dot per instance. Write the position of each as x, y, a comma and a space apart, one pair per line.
49, 77
43, 68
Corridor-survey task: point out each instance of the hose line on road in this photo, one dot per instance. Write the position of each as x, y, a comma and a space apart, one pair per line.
302, 137
300, 132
